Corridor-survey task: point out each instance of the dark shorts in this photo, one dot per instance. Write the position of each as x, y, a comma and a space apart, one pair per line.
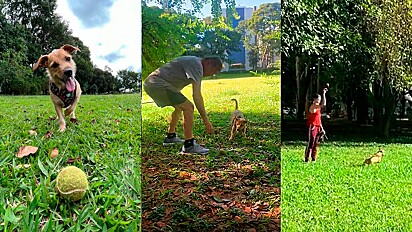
164, 97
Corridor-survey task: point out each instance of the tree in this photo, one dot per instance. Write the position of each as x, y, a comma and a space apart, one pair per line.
164, 36
324, 42
261, 32
128, 80
215, 39
197, 5
391, 22
32, 29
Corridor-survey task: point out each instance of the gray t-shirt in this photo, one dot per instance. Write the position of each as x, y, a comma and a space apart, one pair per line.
176, 74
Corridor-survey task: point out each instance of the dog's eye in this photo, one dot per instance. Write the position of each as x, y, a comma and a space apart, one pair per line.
68, 58
55, 65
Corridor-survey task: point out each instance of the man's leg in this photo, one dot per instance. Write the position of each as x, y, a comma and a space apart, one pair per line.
175, 119
190, 145
188, 109
171, 137
315, 134
308, 150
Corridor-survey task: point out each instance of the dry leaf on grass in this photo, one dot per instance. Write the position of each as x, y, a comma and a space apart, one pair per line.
54, 153
238, 219
72, 160
49, 134
184, 174
25, 151
32, 132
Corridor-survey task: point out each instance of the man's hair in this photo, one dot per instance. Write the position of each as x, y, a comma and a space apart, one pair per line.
214, 60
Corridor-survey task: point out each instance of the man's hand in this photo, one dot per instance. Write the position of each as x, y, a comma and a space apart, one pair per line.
209, 127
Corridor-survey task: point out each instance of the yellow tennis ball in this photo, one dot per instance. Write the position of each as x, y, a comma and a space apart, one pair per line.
71, 183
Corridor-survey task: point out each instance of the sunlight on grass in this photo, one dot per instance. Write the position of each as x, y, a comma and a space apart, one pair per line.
339, 193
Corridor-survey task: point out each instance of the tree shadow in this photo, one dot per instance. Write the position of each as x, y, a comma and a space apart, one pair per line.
236, 186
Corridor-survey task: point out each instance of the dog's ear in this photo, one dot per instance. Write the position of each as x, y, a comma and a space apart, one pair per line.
42, 62
69, 48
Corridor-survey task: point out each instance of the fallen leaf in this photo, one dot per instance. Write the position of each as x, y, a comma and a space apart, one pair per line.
26, 150
32, 132
49, 134
93, 121
252, 230
238, 219
161, 224
248, 209
117, 121
206, 176
72, 160
54, 153
184, 174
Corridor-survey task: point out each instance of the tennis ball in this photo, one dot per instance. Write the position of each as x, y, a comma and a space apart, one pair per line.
71, 183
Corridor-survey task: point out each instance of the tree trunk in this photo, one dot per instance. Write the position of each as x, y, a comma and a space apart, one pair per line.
362, 107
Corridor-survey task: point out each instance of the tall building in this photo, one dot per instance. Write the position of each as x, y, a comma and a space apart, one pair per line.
240, 57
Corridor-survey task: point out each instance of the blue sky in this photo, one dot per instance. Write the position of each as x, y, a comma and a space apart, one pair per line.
110, 28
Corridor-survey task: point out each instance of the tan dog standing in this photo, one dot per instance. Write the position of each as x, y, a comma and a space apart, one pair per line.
64, 89
238, 122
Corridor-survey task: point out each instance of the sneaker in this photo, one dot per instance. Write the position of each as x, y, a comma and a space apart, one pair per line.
195, 149
172, 141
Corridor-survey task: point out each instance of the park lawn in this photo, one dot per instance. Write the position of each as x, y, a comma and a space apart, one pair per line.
105, 143
339, 193
234, 188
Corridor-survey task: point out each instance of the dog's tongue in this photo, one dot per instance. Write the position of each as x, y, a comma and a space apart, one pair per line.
70, 84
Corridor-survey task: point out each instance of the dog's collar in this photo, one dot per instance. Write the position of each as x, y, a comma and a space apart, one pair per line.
66, 96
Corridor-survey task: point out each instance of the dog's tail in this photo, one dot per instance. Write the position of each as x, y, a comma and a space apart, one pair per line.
236, 107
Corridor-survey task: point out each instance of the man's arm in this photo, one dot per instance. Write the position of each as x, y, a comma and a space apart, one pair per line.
200, 106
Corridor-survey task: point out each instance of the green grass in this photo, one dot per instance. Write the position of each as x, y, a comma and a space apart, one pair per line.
339, 193
105, 143
201, 193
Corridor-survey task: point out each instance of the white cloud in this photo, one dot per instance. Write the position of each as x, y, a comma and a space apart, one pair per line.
117, 43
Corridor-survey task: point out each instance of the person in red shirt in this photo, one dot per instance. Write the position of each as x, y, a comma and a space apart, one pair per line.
314, 124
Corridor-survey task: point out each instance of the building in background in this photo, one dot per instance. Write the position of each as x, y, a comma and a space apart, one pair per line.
240, 60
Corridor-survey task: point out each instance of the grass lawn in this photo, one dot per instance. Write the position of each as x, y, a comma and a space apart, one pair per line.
234, 188
105, 143
339, 193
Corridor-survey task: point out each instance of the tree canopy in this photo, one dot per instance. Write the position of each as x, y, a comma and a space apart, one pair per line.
361, 48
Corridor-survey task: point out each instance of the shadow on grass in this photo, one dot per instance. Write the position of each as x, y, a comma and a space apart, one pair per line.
234, 188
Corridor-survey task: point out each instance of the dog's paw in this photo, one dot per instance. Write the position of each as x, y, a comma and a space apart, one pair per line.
73, 120
62, 129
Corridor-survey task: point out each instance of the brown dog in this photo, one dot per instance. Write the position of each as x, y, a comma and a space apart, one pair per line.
375, 158
238, 122
64, 89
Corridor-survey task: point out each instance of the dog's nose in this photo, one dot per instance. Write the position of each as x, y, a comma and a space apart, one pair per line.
68, 73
